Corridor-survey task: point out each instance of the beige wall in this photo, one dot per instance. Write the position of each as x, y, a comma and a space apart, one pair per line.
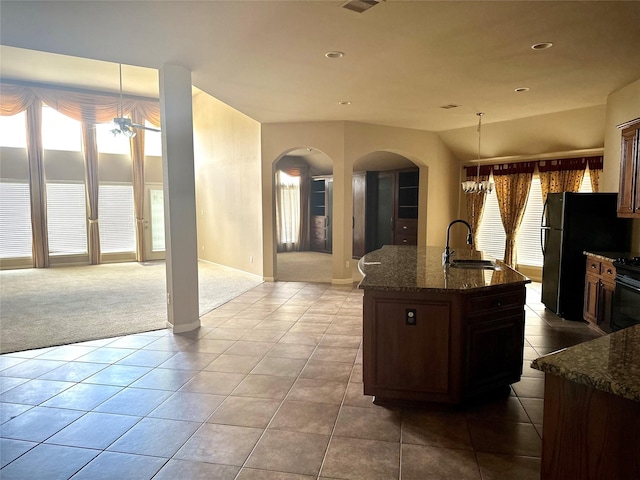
622, 106
345, 143
228, 189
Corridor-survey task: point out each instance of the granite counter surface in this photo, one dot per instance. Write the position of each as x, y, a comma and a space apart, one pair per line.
610, 363
611, 256
413, 269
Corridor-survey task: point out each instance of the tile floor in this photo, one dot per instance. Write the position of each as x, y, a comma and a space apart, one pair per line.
269, 388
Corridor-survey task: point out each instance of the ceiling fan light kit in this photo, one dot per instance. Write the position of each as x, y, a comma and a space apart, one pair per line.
124, 126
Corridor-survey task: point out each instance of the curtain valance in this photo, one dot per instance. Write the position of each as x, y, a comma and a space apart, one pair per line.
562, 165
83, 106
514, 168
472, 171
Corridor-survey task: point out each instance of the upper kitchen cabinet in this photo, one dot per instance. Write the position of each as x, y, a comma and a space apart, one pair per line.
629, 190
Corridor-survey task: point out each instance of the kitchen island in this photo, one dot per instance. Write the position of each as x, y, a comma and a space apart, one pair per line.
434, 333
591, 423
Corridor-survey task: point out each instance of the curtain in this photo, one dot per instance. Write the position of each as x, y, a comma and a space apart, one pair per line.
475, 201
596, 164
137, 170
90, 147
37, 185
89, 108
512, 182
563, 175
287, 212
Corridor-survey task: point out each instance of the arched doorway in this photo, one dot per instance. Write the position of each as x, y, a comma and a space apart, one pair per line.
385, 201
303, 214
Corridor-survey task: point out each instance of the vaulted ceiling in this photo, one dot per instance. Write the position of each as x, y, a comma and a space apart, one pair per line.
403, 60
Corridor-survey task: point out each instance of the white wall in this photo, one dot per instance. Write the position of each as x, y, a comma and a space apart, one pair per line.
228, 185
345, 143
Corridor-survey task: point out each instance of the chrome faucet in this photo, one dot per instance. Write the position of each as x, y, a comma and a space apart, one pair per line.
446, 256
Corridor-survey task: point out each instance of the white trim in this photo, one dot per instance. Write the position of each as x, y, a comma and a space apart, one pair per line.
184, 328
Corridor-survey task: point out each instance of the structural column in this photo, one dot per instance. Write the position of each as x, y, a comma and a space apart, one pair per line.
179, 199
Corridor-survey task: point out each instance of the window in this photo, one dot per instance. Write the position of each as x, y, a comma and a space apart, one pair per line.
13, 131
152, 142
156, 197
66, 218
110, 143
491, 236
116, 219
15, 220
60, 132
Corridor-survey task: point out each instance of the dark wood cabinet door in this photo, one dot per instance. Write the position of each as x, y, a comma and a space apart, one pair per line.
606, 305
359, 186
494, 353
628, 173
410, 355
590, 312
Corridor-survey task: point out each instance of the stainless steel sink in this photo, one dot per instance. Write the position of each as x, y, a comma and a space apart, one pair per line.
478, 264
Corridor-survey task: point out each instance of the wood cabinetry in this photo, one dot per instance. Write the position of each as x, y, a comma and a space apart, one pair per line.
385, 209
442, 347
321, 209
599, 286
629, 188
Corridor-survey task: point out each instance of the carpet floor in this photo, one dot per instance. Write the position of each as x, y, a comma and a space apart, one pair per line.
56, 306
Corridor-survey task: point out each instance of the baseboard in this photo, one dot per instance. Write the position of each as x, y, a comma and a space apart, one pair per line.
342, 281
184, 328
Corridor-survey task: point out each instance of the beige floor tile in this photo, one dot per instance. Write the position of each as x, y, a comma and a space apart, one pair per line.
507, 409
221, 444
498, 467
359, 459
301, 338
281, 367
318, 391
436, 429
327, 370
290, 452
291, 351
258, 349
175, 469
371, 423
264, 386
218, 383
233, 363
509, 438
255, 474
335, 354
305, 417
534, 408
245, 412
349, 341
420, 462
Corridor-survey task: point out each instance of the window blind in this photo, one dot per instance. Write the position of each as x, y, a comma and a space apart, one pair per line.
66, 218
15, 220
116, 218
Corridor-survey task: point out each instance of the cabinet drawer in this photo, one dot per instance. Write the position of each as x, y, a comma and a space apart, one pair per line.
317, 244
318, 221
406, 227
318, 234
406, 239
593, 266
483, 304
608, 271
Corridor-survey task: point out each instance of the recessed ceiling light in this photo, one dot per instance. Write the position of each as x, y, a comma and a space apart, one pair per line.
344, 102
522, 89
542, 45
334, 54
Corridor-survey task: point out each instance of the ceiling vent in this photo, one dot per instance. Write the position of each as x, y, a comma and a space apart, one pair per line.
450, 106
361, 6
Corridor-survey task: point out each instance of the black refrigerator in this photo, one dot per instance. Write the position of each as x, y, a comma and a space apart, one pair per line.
571, 224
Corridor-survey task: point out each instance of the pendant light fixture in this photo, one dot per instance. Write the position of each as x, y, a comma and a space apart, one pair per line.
478, 187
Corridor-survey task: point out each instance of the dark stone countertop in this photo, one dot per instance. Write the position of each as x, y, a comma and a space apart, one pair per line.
413, 269
611, 256
610, 363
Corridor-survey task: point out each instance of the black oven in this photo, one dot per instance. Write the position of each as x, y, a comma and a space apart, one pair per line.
626, 299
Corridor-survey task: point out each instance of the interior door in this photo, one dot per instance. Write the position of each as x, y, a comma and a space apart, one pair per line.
154, 223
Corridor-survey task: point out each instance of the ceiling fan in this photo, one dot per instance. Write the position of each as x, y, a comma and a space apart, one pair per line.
123, 125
